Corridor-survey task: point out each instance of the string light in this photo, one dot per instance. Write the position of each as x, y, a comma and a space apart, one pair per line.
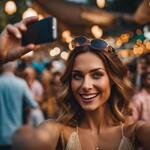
10, 7
65, 34
100, 3
147, 45
64, 55
97, 31
69, 39
123, 53
55, 51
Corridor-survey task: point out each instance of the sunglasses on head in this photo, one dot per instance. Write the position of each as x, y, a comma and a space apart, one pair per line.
97, 44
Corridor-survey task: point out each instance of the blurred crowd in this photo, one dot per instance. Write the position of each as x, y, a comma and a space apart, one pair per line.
43, 79
139, 74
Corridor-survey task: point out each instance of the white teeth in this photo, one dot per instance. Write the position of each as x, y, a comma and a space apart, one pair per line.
88, 96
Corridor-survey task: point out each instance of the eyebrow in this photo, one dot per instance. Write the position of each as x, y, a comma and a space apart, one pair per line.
93, 70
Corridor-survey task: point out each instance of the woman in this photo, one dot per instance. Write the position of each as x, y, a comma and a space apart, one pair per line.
95, 103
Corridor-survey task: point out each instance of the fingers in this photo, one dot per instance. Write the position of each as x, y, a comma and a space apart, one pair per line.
30, 20
21, 52
28, 48
31, 47
14, 30
20, 27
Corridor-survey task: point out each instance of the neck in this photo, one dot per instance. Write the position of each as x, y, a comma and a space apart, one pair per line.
98, 119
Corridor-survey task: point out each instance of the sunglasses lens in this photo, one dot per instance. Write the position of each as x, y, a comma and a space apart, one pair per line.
98, 44
95, 44
79, 41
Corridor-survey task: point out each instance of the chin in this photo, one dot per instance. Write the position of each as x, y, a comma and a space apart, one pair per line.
90, 108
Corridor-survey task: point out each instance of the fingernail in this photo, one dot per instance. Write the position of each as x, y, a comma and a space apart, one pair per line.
18, 35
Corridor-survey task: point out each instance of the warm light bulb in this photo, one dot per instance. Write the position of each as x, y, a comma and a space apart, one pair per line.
100, 3
97, 31
64, 55
65, 34
55, 51
10, 7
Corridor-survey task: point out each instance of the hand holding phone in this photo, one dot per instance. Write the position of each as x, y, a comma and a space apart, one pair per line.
43, 31
10, 40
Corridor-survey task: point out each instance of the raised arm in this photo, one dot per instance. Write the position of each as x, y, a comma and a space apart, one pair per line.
77, 14
44, 137
85, 15
142, 14
49, 133
10, 41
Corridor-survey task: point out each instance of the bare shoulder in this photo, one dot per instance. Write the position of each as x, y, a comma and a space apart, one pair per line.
136, 126
141, 132
142, 129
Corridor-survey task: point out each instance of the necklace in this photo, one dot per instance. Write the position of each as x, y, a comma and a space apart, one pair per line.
98, 148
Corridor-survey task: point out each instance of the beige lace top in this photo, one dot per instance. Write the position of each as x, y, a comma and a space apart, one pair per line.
74, 142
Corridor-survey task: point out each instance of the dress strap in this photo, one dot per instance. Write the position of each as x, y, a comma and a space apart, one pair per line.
62, 141
77, 129
122, 129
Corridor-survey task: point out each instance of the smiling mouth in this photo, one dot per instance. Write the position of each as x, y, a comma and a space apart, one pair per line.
88, 97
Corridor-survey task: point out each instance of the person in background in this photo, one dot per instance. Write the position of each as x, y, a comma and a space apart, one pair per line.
141, 68
35, 86
141, 100
52, 85
14, 92
34, 117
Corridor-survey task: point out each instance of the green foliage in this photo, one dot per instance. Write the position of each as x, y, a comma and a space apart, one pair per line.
10, 19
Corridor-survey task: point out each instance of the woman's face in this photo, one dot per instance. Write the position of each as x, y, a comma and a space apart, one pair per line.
90, 82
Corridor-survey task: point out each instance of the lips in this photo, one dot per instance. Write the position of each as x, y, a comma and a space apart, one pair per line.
88, 97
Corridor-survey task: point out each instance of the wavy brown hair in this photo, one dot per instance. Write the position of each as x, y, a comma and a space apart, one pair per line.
72, 113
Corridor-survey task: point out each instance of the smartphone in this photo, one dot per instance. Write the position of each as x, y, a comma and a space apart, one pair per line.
43, 31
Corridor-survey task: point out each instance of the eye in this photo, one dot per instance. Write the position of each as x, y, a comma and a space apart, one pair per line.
97, 75
76, 76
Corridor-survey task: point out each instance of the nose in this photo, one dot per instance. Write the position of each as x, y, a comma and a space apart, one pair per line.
87, 84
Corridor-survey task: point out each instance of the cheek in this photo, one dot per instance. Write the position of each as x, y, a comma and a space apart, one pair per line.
104, 83
105, 86
74, 86
108, 90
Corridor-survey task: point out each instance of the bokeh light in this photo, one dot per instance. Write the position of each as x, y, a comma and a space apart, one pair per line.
10, 7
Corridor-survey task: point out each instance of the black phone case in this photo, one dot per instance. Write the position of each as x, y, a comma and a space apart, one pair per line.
43, 31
